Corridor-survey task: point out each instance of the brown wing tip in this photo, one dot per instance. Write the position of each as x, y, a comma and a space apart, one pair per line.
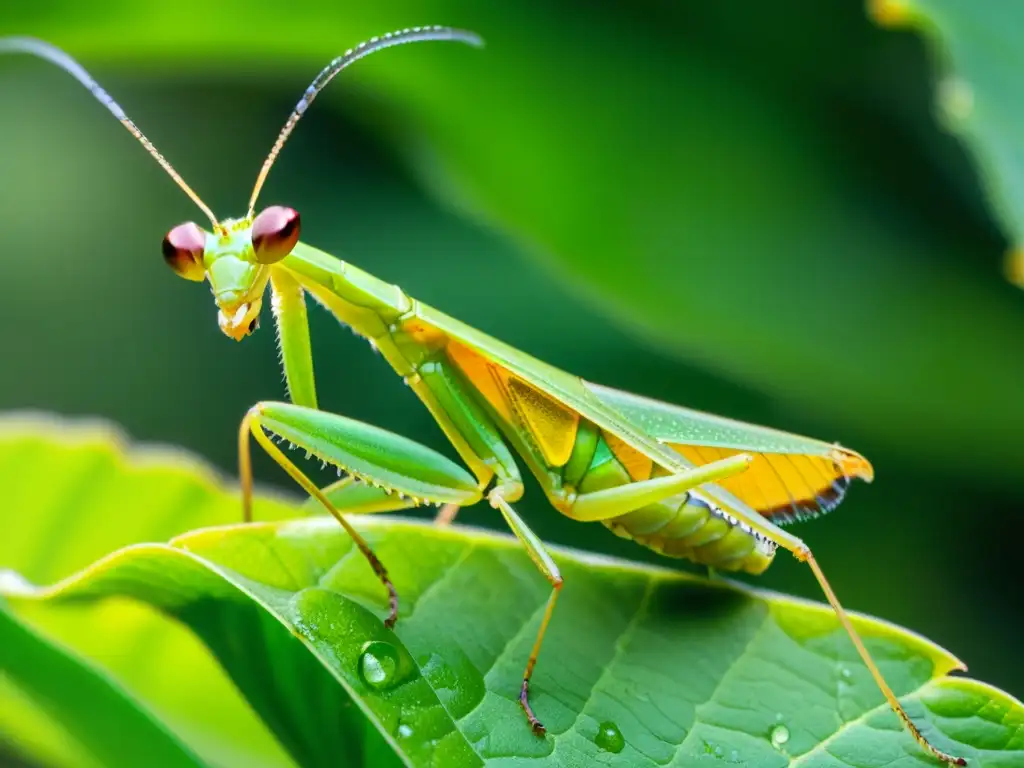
852, 464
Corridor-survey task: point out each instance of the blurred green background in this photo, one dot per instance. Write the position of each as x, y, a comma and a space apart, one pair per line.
745, 208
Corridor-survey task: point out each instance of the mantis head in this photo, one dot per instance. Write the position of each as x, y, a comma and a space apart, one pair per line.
235, 258
236, 255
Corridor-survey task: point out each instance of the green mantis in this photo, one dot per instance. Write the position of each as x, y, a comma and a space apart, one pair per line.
683, 483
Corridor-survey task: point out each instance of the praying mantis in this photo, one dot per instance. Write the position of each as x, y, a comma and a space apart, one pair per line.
683, 483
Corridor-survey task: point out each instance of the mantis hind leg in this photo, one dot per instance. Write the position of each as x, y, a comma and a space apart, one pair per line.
803, 553
806, 556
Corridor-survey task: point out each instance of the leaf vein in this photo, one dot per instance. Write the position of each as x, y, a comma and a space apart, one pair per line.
725, 676
620, 645
822, 746
435, 585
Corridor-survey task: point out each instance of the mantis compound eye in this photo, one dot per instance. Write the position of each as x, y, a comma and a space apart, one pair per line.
183, 251
275, 231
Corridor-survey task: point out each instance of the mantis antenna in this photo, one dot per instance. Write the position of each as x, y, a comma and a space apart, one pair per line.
55, 55
411, 35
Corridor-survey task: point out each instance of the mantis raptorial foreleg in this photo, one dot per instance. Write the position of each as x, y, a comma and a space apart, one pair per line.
252, 423
288, 303
412, 471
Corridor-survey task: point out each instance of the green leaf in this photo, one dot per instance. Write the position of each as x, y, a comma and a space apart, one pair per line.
85, 499
979, 96
688, 671
106, 727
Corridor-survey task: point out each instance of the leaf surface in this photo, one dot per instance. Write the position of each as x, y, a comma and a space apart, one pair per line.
71, 495
689, 672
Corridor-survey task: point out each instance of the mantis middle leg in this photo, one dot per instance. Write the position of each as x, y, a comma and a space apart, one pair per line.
458, 411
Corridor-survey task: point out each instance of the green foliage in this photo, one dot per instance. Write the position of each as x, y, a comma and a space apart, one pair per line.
683, 670
98, 505
107, 727
759, 191
976, 99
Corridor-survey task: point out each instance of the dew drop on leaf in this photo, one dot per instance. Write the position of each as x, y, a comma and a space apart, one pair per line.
405, 731
780, 735
378, 664
609, 737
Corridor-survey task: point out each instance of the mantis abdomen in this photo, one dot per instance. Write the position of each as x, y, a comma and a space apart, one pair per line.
689, 525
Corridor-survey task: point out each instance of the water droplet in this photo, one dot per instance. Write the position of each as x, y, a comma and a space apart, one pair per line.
404, 731
846, 673
734, 756
779, 717
780, 735
378, 664
609, 737
718, 751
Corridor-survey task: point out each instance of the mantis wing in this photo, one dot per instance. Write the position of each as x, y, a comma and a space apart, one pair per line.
792, 476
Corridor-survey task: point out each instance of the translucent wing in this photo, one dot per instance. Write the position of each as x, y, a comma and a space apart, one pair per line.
793, 477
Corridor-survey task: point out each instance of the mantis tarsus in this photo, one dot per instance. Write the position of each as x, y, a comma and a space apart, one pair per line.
681, 482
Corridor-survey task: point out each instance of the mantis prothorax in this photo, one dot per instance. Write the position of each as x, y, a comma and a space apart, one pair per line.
684, 483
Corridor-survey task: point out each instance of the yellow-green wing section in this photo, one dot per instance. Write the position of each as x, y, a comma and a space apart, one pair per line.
491, 364
792, 476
